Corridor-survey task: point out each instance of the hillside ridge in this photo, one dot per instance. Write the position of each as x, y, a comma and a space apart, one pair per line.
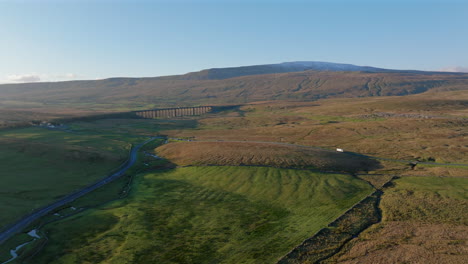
285, 81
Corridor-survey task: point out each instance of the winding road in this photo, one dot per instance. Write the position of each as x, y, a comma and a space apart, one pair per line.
28, 219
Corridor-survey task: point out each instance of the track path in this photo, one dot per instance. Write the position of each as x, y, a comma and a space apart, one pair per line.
28, 219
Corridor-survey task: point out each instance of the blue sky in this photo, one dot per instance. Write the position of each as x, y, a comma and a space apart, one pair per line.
62, 40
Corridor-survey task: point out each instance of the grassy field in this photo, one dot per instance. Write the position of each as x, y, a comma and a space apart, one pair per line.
125, 127
113, 191
44, 165
424, 221
251, 154
77, 171
205, 215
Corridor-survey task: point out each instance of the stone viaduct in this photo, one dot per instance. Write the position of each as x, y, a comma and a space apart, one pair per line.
174, 112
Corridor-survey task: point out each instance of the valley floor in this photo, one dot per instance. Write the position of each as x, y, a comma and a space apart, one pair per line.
182, 204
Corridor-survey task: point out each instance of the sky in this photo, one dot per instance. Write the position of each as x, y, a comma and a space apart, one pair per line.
47, 40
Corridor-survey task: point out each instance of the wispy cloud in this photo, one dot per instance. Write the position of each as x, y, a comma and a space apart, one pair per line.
454, 69
34, 77
24, 78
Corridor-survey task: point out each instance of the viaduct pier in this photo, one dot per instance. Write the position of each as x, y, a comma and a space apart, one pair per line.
174, 112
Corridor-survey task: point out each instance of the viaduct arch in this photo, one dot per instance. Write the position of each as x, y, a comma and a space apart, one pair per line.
174, 112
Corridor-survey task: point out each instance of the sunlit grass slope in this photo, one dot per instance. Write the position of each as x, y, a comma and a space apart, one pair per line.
205, 215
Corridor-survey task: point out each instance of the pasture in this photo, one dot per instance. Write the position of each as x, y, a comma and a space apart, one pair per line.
205, 214
44, 165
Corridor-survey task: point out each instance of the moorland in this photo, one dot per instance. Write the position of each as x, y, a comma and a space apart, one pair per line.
260, 181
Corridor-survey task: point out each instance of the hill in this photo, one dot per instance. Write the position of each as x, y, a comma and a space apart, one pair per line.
299, 81
296, 66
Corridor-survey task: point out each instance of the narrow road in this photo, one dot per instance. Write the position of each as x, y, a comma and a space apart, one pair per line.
28, 219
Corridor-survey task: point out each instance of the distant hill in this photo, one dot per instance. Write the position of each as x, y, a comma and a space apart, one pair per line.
298, 66
303, 81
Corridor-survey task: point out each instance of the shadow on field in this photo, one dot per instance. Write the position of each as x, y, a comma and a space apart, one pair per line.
352, 163
328, 241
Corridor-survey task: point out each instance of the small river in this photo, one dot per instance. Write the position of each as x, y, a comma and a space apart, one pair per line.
14, 252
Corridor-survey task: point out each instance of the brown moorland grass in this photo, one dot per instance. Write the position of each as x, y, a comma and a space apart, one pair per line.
420, 127
424, 221
405, 242
443, 171
262, 154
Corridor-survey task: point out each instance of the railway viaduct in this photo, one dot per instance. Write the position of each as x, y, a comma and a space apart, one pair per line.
174, 112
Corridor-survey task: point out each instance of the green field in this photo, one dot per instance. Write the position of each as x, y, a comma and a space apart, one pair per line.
44, 165
130, 127
205, 215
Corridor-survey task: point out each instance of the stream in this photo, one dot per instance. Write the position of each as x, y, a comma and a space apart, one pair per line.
14, 252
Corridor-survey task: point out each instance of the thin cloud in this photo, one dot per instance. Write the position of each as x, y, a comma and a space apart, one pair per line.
455, 69
34, 77
21, 78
